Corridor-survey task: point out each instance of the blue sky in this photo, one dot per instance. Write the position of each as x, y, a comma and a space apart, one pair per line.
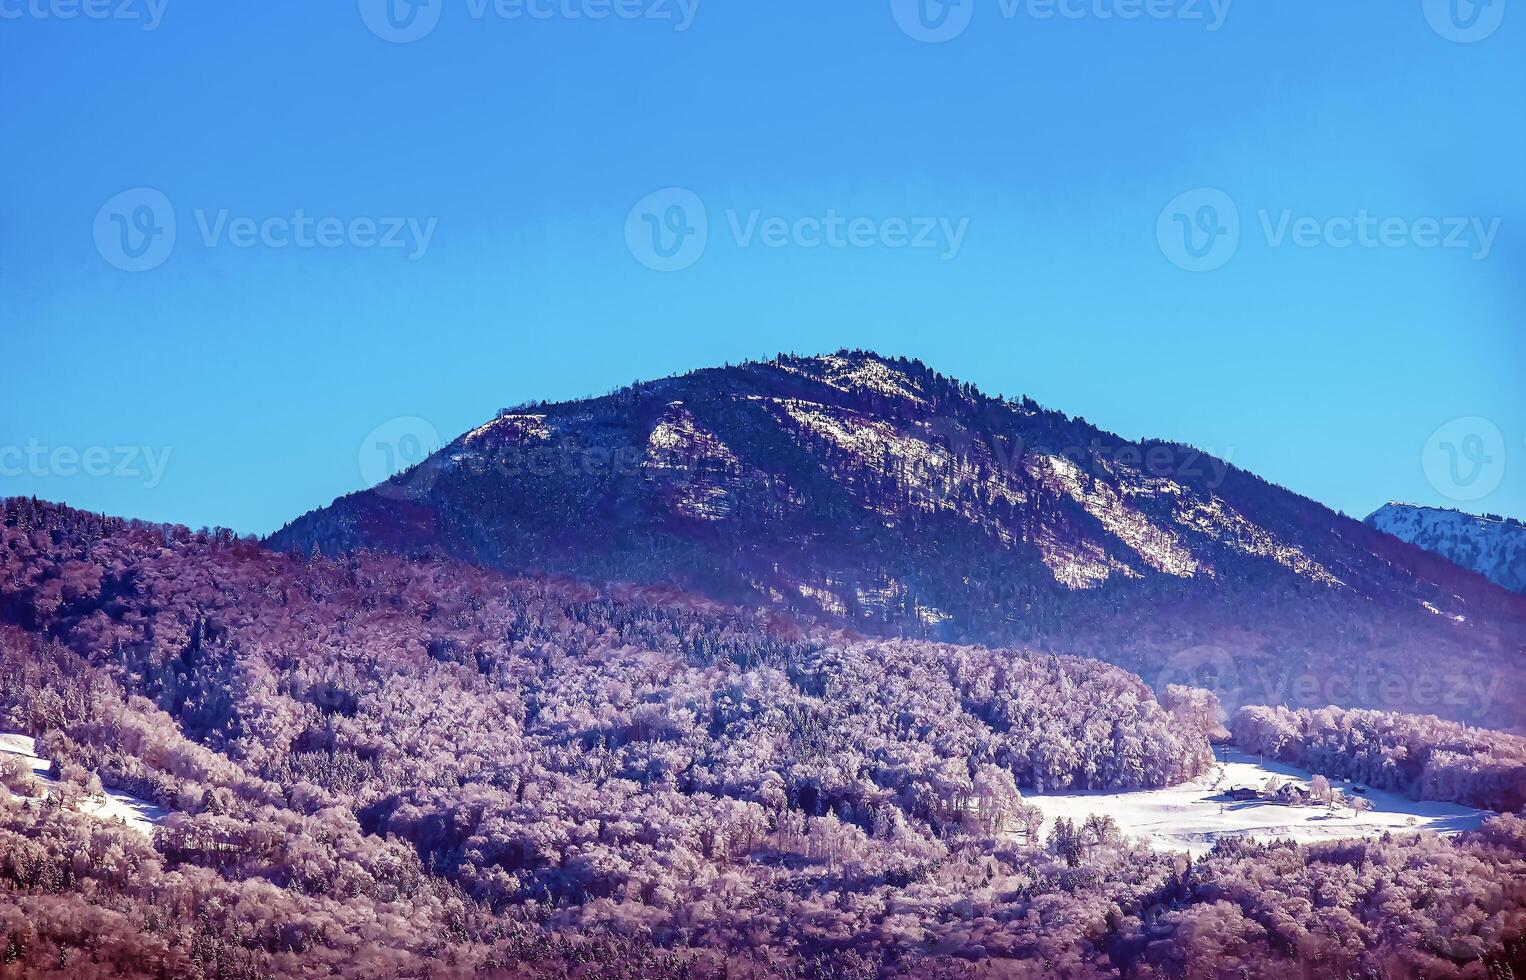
1010, 204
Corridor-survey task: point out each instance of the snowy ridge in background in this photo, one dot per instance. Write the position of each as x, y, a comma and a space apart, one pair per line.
1494, 547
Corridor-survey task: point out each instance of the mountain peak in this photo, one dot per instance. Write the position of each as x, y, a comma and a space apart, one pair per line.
873, 493
1404, 506
859, 371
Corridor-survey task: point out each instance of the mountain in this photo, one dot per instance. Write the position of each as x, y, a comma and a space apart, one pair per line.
1494, 547
876, 494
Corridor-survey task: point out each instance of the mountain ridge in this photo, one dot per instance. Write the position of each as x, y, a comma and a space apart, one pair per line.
1491, 545
877, 493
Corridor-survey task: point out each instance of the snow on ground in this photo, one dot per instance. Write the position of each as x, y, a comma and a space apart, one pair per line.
522, 428
864, 373
113, 806
1192, 816
1223, 523
1157, 545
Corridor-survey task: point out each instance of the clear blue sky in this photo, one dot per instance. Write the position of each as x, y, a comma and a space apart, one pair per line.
523, 143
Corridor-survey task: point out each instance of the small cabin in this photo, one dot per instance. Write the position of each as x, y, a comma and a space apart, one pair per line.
1359, 790
1242, 793
1291, 795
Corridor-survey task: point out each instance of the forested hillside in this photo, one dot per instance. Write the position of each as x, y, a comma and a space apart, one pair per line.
381, 766
1418, 755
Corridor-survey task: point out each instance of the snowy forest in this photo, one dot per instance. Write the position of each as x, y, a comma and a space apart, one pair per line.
382, 767
1421, 756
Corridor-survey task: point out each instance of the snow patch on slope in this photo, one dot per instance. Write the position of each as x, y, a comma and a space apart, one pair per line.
111, 807
927, 474
1160, 548
1429, 607
931, 478
823, 597
520, 428
696, 462
1082, 565
858, 374
1223, 523
678, 441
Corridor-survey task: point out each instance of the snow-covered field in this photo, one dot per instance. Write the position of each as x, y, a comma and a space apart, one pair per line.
112, 806
1192, 816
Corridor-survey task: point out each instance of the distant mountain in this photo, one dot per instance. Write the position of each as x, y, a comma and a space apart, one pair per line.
874, 493
1494, 547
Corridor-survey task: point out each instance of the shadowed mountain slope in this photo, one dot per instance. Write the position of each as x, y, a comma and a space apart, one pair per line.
878, 494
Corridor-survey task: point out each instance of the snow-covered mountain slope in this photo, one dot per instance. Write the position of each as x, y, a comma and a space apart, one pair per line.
877, 494
1495, 547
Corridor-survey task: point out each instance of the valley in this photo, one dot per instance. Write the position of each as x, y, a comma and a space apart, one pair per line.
1193, 816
